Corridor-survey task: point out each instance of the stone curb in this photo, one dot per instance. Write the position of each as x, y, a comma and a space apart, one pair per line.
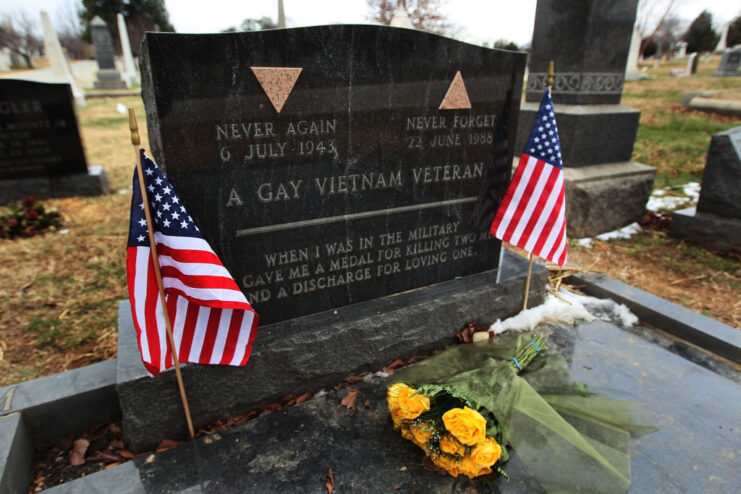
16, 455
687, 324
65, 403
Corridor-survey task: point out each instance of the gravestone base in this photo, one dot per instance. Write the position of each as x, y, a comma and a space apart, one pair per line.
109, 79
94, 183
602, 198
716, 232
313, 352
582, 130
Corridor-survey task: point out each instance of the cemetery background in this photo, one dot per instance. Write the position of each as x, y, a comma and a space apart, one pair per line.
58, 300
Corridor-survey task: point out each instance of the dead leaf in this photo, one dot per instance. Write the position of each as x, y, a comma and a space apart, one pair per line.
304, 397
77, 453
117, 444
166, 445
125, 453
330, 482
367, 404
149, 459
353, 379
104, 457
350, 399
112, 465
395, 364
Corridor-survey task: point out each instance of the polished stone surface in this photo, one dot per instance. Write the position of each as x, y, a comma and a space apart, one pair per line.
721, 180
708, 334
588, 41
64, 403
697, 411
16, 455
315, 351
345, 181
39, 135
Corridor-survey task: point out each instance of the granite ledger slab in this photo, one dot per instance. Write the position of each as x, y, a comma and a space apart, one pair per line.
335, 164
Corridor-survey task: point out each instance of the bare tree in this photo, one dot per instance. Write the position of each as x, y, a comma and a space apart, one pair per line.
67, 26
18, 33
651, 16
424, 14
668, 35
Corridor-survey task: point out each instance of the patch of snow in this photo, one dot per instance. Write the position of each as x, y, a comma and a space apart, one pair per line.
624, 232
123, 191
121, 108
64, 232
572, 308
692, 190
586, 242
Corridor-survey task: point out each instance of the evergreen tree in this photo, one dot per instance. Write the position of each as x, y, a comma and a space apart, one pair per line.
700, 36
734, 33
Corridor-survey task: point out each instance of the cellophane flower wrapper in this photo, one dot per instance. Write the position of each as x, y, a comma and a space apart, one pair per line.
568, 440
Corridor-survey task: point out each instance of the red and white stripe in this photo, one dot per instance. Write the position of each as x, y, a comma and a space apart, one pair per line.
212, 321
533, 213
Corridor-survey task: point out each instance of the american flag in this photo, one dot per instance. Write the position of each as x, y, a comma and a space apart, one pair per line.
212, 321
532, 215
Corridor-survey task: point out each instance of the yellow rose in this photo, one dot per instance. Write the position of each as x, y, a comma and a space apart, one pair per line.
392, 396
469, 468
448, 464
451, 445
411, 403
467, 425
420, 434
486, 453
396, 417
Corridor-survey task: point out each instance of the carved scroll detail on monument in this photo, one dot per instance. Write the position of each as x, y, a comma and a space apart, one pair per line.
277, 82
573, 82
457, 97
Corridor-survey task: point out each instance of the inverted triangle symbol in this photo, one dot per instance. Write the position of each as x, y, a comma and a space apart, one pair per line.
277, 82
457, 97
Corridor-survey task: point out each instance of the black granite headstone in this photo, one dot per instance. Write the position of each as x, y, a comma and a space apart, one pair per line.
589, 42
716, 222
335, 164
721, 180
38, 130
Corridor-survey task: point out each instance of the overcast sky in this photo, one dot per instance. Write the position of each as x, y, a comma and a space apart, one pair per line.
478, 20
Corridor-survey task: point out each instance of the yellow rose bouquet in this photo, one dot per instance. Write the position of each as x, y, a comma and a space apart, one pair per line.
467, 405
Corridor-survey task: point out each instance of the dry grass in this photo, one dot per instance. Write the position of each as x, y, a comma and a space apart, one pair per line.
60, 291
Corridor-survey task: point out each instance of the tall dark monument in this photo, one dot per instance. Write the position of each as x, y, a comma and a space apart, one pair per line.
108, 76
589, 41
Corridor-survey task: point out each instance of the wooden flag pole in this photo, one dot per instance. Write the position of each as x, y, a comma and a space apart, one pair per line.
530, 254
135, 141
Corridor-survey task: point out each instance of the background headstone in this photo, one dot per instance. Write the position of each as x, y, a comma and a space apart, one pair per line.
730, 63
108, 76
326, 174
681, 49
692, 64
589, 41
632, 73
58, 59
717, 219
40, 149
723, 41
132, 75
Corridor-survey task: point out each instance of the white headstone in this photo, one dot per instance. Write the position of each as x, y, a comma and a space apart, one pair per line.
130, 73
401, 18
681, 49
60, 67
723, 42
281, 14
631, 67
